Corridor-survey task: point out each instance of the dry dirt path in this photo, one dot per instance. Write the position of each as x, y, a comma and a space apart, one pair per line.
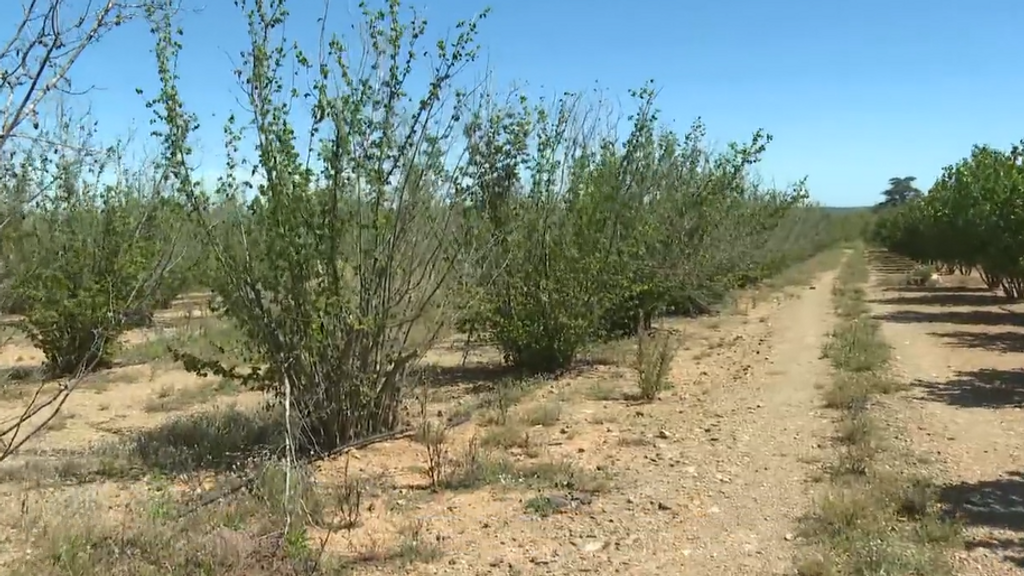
709, 480
962, 349
745, 464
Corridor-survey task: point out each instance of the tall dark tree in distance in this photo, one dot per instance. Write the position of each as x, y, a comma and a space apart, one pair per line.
900, 191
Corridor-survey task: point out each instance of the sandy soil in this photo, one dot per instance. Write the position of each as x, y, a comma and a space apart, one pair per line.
961, 348
708, 480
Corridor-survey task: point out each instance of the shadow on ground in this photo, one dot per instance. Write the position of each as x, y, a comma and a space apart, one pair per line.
478, 376
936, 289
1003, 341
997, 504
976, 317
985, 388
964, 298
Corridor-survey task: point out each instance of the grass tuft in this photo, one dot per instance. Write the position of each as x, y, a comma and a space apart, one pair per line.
876, 516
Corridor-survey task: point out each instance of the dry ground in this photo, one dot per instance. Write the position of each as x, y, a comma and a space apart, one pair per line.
572, 476
961, 348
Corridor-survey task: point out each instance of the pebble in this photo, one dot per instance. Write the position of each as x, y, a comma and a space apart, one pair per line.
592, 546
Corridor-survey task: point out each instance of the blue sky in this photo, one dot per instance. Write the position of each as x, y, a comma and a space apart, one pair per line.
853, 92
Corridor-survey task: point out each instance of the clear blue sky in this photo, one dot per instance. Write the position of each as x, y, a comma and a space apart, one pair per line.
854, 92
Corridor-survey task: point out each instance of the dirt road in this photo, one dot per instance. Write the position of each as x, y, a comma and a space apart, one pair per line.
962, 348
745, 462
708, 480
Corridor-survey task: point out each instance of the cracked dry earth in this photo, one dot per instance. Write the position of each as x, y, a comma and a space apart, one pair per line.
961, 348
709, 480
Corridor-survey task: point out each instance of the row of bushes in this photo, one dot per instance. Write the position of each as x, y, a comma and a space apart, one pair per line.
525, 222
972, 218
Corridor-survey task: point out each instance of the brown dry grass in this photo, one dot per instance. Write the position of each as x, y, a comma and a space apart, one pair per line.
124, 481
958, 349
879, 513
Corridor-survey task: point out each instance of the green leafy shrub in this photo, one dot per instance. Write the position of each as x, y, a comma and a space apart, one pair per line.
971, 218
96, 258
585, 234
338, 278
396, 218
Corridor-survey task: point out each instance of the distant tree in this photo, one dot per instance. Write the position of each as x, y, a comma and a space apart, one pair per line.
900, 191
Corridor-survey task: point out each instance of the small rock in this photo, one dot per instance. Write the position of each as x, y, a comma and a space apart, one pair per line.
789, 537
592, 546
664, 435
663, 506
